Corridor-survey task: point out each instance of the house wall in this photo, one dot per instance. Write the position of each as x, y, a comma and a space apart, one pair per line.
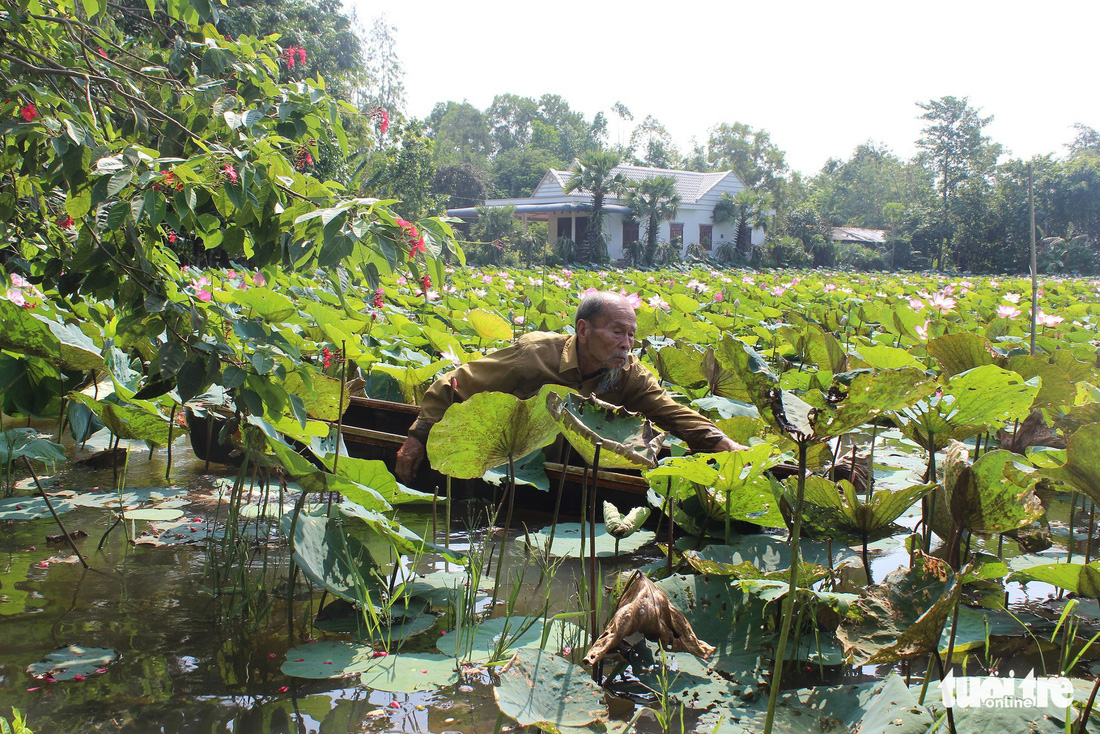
690, 216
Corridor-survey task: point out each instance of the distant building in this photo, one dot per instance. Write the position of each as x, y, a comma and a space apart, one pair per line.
567, 215
873, 238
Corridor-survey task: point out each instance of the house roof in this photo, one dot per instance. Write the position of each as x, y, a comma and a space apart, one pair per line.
858, 234
690, 185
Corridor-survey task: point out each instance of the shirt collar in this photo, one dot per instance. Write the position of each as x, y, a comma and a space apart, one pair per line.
569, 359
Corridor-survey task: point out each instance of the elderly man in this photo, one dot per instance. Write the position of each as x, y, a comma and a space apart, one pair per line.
595, 361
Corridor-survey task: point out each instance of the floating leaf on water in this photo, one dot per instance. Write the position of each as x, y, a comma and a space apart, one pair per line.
1075, 577
478, 643
1049, 719
538, 687
567, 540
153, 514
628, 440
71, 661
31, 508
530, 471
319, 660
409, 672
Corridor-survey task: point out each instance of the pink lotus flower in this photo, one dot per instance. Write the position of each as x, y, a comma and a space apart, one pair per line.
830, 287
632, 298
659, 303
518, 320
203, 295
450, 355
942, 302
718, 297
778, 291
916, 304
15, 296
402, 280
259, 280
588, 292
567, 273
487, 278
1008, 312
922, 331
1043, 319
1012, 297
748, 280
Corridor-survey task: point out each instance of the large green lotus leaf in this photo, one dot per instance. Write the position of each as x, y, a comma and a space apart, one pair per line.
413, 381
692, 682
751, 378
121, 500
792, 414
139, 421
154, 514
567, 540
332, 558
483, 432
321, 397
397, 535
530, 471
1082, 468
31, 508
770, 591
31, 333
400, 622
478, 643
755, 556
265, 302
318, 660
1050, 719
71, 661
736, 624
872, 394
1078, 417
901, 617
883, 357
680, 365
960, 352
374, 474
994, 495
849, 515
628, 440
409, 672
1057, 390
16, 443
988, 396
488, 326
813, 344
622, 526
1076, 577
880, 707
540, 688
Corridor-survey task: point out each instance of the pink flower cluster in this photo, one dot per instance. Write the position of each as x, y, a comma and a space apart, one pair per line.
19, 291
294, 54
414, 238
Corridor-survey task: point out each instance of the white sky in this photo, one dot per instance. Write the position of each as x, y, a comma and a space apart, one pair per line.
821, 77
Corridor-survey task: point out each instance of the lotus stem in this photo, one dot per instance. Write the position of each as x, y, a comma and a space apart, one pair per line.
447, 521
507, 524
72, 543
1072, 519
928, 504
671, 524
871, 463
1092, 527
557, 501
1082, 726
788, 601
592, 586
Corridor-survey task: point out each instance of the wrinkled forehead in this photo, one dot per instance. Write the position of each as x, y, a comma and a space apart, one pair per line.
614, 315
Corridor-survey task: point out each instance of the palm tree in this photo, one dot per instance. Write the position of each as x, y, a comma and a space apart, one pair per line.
750, 209
596, 175
653, 200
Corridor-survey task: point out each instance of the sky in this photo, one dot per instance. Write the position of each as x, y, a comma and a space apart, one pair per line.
820, 77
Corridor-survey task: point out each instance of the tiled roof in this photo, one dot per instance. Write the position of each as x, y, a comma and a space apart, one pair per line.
858, 234
690, 185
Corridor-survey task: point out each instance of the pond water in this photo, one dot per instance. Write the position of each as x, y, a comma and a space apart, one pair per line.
188, 661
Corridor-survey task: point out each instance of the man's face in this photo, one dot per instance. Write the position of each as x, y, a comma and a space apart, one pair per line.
606, 340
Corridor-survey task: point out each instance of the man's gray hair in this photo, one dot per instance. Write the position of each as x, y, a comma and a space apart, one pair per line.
592, 305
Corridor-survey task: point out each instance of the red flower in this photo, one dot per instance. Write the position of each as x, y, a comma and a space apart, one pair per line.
283, 689
384, 120
301, 55
102, 53
171, 237
426, 282
327, 356
28, 112
230, 173
309, 159
415, 247
66, 222
378, 302
290, 57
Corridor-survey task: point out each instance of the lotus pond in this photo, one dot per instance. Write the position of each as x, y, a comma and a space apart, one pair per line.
916, 500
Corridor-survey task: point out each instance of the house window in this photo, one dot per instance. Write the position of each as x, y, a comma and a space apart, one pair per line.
630, 232
705, 235
565, 227
582, 229
676, 233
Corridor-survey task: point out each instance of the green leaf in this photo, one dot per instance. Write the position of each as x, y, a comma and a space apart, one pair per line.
620, 527
994, 495
887, 358
374, 474
320, 660
79, 203
1078, 578
539, 688
409, 672
871, 395
628, 440
15, 443
139, 421
960, 352
485, 431
31, 333
488, 325
1082, 467
988, 396
567, 541
71, 661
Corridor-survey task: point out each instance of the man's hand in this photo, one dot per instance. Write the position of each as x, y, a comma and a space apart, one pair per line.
409, 457
726, 444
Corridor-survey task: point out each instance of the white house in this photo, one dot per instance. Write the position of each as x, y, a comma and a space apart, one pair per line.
567, 215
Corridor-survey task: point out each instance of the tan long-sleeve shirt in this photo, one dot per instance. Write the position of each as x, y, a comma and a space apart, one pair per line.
541, 358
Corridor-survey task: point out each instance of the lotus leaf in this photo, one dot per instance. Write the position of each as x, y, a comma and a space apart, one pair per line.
680, 365
332, 558
1082, 468
487, 430
140, 421
887, 358
994, 495
1078, 578
902, 617
849, 515
567, 540
1050, 719
71, 661
750, 378
32, 333
960, 352
539, 688
318, 660
872, 395
31, 508
619, 526
498, 637
488, 326
628, 440
397, 535
16, 443
530, 471
375, 475
410, 672
320, 394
